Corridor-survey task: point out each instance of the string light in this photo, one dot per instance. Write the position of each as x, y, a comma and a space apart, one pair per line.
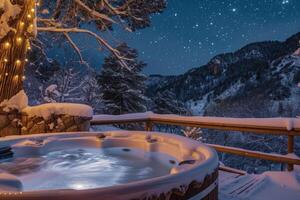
7, 45
19, 39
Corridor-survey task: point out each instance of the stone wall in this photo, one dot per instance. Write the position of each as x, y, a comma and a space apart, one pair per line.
16, 123
10, 123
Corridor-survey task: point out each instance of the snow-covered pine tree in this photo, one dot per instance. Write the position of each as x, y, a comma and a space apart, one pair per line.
69, 85
122, 89
91, 93
167, 103
64, 86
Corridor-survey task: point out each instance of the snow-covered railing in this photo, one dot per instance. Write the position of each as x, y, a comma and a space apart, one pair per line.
289, 127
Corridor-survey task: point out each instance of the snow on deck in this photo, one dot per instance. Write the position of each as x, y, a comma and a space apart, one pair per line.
269, 185
288, 124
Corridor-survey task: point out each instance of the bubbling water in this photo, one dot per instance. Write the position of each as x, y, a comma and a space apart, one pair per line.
86, 168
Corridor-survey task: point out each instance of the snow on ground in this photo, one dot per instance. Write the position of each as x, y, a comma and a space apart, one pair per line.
269, 185
231, 91
198, 107
297, 52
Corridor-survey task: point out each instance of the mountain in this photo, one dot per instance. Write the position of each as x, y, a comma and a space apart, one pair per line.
258, 80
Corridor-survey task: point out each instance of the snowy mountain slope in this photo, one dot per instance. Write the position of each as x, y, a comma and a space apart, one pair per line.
265, 72
259, 80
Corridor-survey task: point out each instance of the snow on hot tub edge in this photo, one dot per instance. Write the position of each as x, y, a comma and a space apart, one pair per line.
20, 102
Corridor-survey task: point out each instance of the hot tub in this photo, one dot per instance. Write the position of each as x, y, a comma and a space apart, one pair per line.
117, 165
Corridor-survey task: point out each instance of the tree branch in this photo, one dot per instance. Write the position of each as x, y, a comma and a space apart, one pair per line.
74, 46
93, 13
100, 40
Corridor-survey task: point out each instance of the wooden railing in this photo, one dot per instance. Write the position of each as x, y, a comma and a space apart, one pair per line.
289, 127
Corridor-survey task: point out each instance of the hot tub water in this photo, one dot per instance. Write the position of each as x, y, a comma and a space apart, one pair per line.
85, 168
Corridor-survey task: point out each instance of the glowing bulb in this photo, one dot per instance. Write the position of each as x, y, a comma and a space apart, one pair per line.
16, 76
23, 78
29, 47
26, 60
31, 26
5, 60
22, 23
32, 9
29, 16
18, 62
7, 44
19, 39
37, 4
6, 74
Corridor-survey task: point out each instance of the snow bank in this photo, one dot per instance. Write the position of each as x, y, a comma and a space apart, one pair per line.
17, 102
267, 123
46, 110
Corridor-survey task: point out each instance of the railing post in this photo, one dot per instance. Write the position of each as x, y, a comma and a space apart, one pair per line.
149, 126
291, 141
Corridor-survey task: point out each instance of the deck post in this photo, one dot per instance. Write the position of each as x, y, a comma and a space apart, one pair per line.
291, 142
148, 126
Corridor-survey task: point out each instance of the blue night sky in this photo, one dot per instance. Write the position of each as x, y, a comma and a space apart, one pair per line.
190, 32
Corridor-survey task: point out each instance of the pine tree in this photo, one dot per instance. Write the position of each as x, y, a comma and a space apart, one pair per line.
122, 88
166, 103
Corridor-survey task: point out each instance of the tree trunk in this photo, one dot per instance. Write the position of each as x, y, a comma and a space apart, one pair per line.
13, 49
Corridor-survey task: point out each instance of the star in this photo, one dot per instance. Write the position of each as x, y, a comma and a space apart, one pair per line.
188, 34
285, 2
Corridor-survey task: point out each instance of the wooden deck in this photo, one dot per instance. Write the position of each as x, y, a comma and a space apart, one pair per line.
234, 186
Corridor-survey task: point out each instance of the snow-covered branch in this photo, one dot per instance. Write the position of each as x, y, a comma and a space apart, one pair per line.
93, 13
100, 40
74, 46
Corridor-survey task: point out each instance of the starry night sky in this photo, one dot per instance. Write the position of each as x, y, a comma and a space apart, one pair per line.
190, 32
